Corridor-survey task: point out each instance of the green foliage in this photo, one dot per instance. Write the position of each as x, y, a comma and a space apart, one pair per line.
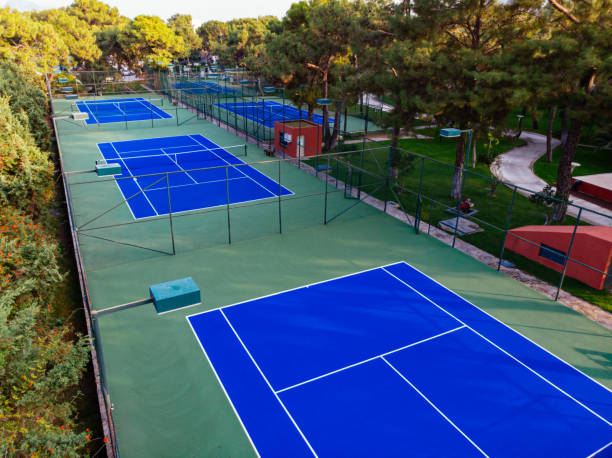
28, 264
76, 34
25, 93
97, 14
26, 172
36, 45
183, 27
148, 37
39, 365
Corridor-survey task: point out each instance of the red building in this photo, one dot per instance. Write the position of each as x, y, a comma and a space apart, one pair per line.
549, 245
298, 138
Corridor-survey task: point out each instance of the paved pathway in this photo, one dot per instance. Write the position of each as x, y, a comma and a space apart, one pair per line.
516, 167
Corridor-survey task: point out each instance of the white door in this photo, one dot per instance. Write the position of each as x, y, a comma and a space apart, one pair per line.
300, 145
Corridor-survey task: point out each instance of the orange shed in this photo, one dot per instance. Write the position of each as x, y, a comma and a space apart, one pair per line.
592, 247
298, 138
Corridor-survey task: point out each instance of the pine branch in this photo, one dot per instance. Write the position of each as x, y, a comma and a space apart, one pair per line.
555, 4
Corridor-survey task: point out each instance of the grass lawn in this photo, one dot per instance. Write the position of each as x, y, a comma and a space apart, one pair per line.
493, 210
591, 161
589, 131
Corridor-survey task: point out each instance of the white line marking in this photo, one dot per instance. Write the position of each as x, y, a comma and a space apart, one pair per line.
296, 288
195, 184
504, 324
600, 450
223, 388
502, 350
134, 179
237, 166
268, 383
434, 406
177, 164
370, 359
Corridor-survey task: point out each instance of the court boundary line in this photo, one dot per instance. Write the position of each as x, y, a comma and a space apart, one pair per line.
359, 363
434, 406
512, 329
268, 383
177, 164
234, 165
125, 116
142, 191
224, 390
600, 450
194, 184
504, 351
292, 289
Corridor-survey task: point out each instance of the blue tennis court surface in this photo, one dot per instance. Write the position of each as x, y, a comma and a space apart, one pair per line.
205, 87
268, 112
193, 184
388, 362
120, 110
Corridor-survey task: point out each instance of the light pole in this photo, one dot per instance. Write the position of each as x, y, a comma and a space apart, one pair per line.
450, 132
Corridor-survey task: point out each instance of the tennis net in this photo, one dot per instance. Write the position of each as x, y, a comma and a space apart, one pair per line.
172, 162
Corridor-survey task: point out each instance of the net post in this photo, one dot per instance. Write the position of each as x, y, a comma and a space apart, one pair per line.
509, 217
227, 206
151, 110
567, 256
429, 219
177, 119
170, 214
280, 218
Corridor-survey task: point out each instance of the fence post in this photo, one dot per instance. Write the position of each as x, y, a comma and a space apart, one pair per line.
170, 213
326, 182
567, 256
503, 247
227, 206
417, 216
280, 217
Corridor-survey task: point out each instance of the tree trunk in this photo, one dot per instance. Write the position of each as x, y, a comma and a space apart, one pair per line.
563, 126
458, 173
564, 172
549, 132
473, 158
334, 137
534, 120
310, 112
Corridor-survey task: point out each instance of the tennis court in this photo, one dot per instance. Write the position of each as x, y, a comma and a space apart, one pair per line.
184, 173
267, 112
387, 362
121, 110
205, 87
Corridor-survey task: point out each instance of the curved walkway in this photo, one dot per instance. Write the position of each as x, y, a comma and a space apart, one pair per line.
516, 167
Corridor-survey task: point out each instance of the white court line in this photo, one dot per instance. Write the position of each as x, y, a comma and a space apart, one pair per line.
238, 167
502, 350
434, 406
268, 383
294, 289
89, 111
135, 181
223, 388
370, 359
195, 184
600, 450
177, 164
116, 105
504, 324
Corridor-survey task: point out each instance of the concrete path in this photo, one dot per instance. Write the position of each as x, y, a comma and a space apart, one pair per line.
516, 167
